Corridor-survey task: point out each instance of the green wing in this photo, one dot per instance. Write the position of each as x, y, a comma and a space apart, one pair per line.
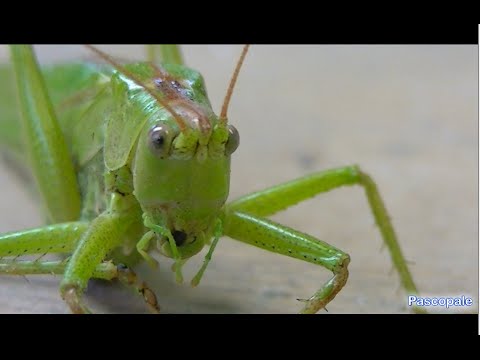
133, 106
67, 87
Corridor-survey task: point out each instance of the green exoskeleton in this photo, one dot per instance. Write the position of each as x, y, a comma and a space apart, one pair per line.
132, 159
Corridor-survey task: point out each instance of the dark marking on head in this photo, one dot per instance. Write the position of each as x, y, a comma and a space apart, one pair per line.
171, 89
139, 82
177, 95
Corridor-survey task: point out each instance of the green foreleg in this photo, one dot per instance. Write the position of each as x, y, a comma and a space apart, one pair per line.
128, 277
102, 236
281, 239
280, 197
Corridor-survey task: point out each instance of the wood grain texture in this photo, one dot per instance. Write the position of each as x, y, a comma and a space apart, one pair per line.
406, 114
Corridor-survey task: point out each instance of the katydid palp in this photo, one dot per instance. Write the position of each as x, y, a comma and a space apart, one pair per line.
172, 197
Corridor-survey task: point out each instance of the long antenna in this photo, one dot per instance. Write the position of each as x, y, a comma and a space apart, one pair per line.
120, 68
226, 101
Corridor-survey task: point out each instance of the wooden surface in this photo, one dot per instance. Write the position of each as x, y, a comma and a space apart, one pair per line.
406, 114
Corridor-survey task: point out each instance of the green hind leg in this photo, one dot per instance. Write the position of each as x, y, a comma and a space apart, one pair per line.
43, 141
245, 222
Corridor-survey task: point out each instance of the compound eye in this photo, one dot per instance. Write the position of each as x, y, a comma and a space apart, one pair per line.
159, 139
233, 140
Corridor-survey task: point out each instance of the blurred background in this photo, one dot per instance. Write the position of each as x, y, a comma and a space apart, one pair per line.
406, 114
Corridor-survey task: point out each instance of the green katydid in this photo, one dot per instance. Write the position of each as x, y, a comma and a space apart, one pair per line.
152, 173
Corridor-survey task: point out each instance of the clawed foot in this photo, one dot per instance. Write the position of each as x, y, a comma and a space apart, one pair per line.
71, 294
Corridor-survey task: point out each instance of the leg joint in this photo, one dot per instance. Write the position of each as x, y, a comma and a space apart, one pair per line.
342, 265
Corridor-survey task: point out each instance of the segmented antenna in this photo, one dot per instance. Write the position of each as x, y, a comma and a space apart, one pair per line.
121, 69
226, 101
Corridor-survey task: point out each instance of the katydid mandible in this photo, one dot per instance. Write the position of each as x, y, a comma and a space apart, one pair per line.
132, 159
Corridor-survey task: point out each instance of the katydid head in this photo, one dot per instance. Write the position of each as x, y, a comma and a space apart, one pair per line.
180, 160
181, 180
193, 166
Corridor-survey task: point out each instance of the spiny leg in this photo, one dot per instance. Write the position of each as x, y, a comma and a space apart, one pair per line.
105, 271
58, 238
44, 142
103, 235
280, 197
281, 239
130, 278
